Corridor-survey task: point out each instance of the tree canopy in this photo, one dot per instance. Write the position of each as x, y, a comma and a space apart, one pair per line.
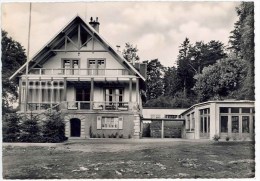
13, 57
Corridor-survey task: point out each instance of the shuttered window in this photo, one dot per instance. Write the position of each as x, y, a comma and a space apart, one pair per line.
109, 122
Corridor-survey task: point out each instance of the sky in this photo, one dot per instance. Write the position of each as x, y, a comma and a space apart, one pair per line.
156, 28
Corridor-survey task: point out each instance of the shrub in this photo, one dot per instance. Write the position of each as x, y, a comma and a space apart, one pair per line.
121, 136
103, 136
30, 130
109, 136
93, 135
227, 138
98, 135
11, 127
116, 135
90, 132
112, 135
129, 136
53, 128
216, 137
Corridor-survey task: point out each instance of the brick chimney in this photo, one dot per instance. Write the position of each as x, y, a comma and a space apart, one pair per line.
94, 24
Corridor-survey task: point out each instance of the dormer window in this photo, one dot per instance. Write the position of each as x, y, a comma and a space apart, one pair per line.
69, 65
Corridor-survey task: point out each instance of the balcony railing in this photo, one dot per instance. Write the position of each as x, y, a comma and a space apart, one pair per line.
79, 105
79, 71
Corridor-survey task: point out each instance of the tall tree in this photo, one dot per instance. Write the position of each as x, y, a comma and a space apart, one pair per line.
130, 53
171, 82
13, 56
154, 81
242, 43
221, 80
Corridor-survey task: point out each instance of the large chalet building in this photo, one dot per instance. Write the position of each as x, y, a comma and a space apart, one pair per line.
98, 93
79, 73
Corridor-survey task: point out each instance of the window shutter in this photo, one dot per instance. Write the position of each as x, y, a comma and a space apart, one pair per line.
99, 122
120, 123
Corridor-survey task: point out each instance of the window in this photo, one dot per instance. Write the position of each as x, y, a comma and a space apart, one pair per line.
245, 124
96, 66
235, 124
245, 110
69, 65
192, 121
223, 109
155, 116
114, 95
109, 122
224, 124
188, 122
235, 110
171, 116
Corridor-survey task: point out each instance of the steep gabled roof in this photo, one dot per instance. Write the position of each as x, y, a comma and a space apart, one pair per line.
60, 34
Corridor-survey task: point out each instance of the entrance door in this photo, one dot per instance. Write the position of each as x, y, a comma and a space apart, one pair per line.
204, 126
75, 127
83, 95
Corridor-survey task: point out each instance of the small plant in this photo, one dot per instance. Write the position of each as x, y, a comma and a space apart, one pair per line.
121, 136
90, 132
129, 136
216, 137
112, 135
109, 136
103, 136
93, 135
116, 135
98, 135
227, 138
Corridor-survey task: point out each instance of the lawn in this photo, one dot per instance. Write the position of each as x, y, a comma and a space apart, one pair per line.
120, 158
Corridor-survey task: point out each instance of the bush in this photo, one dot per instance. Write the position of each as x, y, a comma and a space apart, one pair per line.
90, 132
98, 135
129, 136
93, 135
121, 136
53, 128
216, 137
103, 136
116, 135
11, 127
30, 130
112, 135
227, 138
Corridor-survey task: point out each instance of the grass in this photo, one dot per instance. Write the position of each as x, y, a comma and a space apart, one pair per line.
111, 158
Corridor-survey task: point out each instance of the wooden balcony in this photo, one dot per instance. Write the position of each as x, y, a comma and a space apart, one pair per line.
65, 72
83, 106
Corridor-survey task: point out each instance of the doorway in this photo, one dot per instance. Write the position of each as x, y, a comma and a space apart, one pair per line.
75, 127
83, 95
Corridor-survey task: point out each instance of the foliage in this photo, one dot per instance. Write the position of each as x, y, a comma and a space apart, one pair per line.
13, 56
11, 127
130, 53
170, 81
30, 129
178, 101
227, 138
193, 58
216, 137
154, 87
221, 80
242, 44
53, 128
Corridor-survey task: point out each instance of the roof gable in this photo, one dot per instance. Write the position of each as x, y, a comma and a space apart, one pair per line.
58, 41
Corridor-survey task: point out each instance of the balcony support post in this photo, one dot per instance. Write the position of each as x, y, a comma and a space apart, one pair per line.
52, 91
65, 90
20, 92
40, 93
137, 90
91, 93
130, 89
